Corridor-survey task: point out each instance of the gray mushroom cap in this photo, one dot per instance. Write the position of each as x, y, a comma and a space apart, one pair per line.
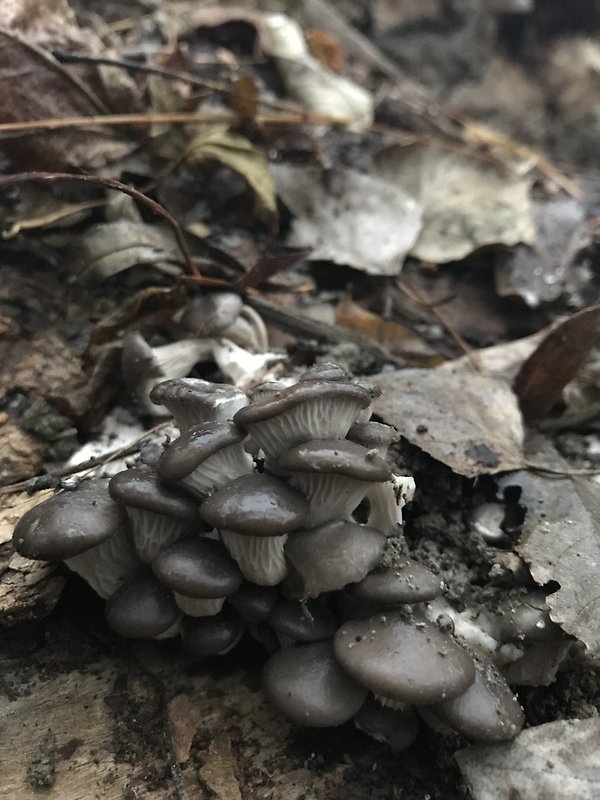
408, 582
397, 728
487, 711
333, 555
326, 371
196, 445
141, 608
308, 686
303, 622
372, 435
403, 659
69, 523
140, 488
528, 620
336, 456
254, 603
198, 567
208, 636
208, 314
255, 505
193, 400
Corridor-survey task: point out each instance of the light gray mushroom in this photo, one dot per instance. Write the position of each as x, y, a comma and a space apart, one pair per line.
192, 400
206, 457
87, 530
307, 685
223, 314
160, 515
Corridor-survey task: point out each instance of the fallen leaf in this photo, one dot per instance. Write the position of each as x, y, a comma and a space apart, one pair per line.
560, 542
391, 336
20, 454
219, 143
268, 265
349, 218
467, 201
326, 49
185, 718
538, 272
44, 210
40, 365
112, 247
244, 96
555, 362
469, 422
218, 771
556, 761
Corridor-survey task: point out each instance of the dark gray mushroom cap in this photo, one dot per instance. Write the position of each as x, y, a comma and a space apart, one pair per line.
139, 487
299, 393
403, 658
372, 435
333, 555
336, 456
198, 567
397, 728
208, 636
487, 711
69, 523
303, 622
141, 608
255, 603
309, 687
256, 505
194, 446
409, 582
208, 314
326, 371
528, 620
193, 391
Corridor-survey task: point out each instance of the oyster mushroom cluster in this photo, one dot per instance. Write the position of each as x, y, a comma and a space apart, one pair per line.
247, 522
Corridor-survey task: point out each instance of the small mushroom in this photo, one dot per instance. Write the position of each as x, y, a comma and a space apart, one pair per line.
403, 658
302, 622
304, 411
406, 582
223, 314
144, 366
334, 475
210, 636
373, 436
487, 711
326, 371
192, 400
160, 515
206, 457
398, 729
87, 530
254, 514
386, 501
142, 608
254, 603
308, 686
200, 573
333, 555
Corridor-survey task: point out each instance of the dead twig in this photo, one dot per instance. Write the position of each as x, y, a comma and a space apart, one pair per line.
111, 183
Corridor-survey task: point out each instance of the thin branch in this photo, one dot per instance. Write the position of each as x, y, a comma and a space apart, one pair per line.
110, 183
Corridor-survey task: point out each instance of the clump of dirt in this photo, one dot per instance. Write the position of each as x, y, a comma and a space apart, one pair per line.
41, 770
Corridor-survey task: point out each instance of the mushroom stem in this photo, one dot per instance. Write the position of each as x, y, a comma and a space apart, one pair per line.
154, 532
198, 606
386, 502
107, 565
261, 559
331, 496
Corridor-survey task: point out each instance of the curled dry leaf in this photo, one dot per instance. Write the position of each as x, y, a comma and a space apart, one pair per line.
349, 218
467, 202
110, 248
469, 422
556, 761
541, 379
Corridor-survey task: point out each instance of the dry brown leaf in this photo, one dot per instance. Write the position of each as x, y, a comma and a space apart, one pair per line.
20, 454
40, 365
218, 771
185, 719
326, 49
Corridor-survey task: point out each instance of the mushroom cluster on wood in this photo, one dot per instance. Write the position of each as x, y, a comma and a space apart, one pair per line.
247, 523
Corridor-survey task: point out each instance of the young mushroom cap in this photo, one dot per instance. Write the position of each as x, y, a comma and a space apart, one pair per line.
304, 411
406, 582
205, 457
198, 567
326, 371
397, 728
528, 620
255, 505
209, 314
69, 523
142, 608
487, 711
302, 622
308, 686
333, 555
209, 636
254, 603
372, 435
403, 658
193, 400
